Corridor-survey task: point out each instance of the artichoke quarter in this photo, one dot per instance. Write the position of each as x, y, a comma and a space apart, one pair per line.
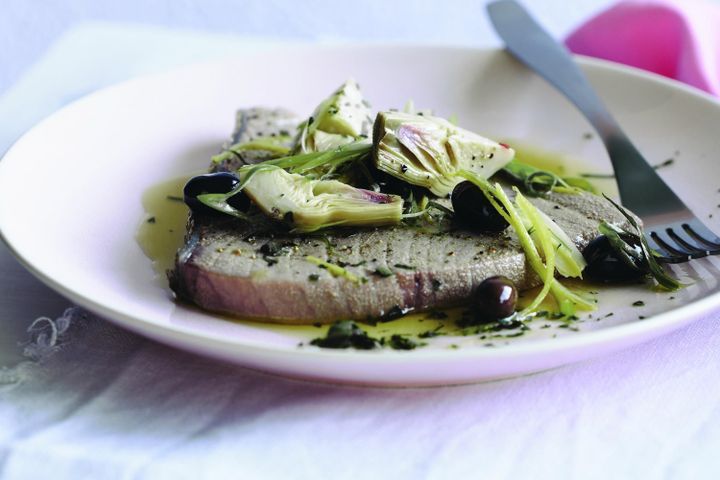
342, 118
430, 151
310, 205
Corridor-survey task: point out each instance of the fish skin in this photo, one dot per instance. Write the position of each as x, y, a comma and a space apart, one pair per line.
260, 271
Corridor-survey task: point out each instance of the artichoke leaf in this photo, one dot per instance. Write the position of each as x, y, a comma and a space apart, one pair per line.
342, 118
311, 205
430, 151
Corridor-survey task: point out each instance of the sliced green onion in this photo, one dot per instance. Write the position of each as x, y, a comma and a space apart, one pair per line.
303, 162
537, 182
564, 297
273, 145
543, 235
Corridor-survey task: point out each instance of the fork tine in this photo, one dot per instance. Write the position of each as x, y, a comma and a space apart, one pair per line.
701, 233
697, 251
653, 244
682, 241
669, 246
664, 257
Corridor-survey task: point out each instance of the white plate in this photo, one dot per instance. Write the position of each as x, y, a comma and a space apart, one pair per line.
70, 194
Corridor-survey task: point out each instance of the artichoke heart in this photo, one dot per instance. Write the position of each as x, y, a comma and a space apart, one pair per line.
430, 151
314, 204
342, 118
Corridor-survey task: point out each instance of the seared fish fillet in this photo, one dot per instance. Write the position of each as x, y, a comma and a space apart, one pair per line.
260, 271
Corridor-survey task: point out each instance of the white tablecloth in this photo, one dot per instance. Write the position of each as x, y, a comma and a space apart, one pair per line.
99, 402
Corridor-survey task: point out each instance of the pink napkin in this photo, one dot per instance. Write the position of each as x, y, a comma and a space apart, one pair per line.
674, 39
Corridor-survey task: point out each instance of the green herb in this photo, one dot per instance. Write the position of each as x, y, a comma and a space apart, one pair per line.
270, 260
346, 264
666, 163
151, 220
639, 303
329, 246
313, 277
383, 272
400, 342
404, 267
335, 270
645, 256
569, 327
276, 248
346, 334
432, 333
175, 198
597, 175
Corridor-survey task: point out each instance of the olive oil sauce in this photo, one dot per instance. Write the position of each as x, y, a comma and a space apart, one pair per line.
162, 230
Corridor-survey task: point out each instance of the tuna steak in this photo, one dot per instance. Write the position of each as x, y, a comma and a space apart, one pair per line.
260, 271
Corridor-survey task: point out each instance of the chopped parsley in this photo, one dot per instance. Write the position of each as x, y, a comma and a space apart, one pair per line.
400, 342
404, 266
346, 334
383, 271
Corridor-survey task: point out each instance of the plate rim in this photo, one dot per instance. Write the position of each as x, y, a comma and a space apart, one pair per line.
185, 337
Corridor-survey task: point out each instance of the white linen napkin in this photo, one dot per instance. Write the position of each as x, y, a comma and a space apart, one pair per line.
105, 403
90, 400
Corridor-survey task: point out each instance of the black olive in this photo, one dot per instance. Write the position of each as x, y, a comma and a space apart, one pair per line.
221, 182
473, 210
240, 201
390, 184
605, 265
494, 299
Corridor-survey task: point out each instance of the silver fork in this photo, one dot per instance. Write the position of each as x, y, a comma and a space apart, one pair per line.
676, 233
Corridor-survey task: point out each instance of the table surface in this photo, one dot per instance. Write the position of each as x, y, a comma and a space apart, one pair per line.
143, 410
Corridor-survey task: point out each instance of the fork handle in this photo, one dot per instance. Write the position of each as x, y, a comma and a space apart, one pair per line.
641, 189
